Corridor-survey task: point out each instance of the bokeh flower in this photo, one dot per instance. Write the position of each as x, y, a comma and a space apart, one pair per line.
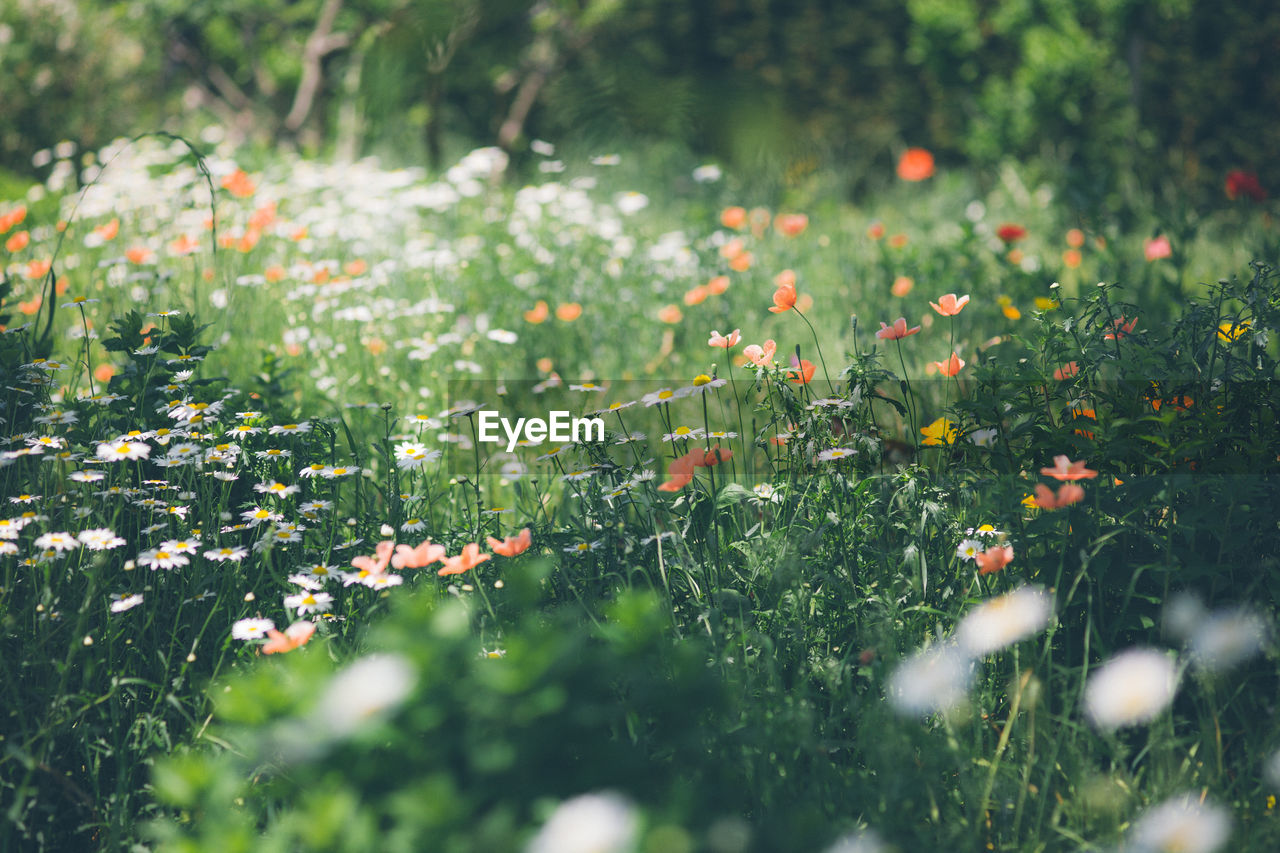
364, 693
1182, 824
512, 545
1064, 469
933, 679
1004, 620
1131, 688
1156, 248
915, 164
591, 823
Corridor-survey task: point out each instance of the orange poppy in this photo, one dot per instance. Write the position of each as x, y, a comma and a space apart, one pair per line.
512, 545
696, 295
378, 562
18, 241
784, 298
725, 341
108, 231
1064, 469
1068, 494
732, 249
994, 559
1122, 328
538, 314
951, 366
569, 311
291, 638
467, 560
791, 224
406, 557
239, 184
897, 331
949, 305
761, 356
12, 218
184, 244
801, 374
733, 217
915, 164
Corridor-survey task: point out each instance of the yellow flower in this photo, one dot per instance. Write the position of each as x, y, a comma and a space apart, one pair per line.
1011, 312
1232, 331
941, 431
1044, 303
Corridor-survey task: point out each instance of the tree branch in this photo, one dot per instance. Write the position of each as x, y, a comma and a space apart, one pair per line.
322, 42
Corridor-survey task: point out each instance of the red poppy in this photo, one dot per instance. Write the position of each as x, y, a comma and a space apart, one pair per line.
1011, 233
1240, 182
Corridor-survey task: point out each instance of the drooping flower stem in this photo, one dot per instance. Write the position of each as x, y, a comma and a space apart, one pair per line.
910, 401
816, 346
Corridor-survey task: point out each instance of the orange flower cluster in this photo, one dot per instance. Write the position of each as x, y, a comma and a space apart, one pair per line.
682, 467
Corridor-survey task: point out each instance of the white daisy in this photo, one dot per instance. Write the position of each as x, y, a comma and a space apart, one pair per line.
931, 680
309, 602
252, 629
57, 541
122, 602
1004, 620
100, 539
1133, 687
591, 823
1183, 824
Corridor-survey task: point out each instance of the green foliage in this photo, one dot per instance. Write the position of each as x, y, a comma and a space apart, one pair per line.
84, 72
1116, 98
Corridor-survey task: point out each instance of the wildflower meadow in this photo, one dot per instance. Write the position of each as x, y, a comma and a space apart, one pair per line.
901, 531
567, 496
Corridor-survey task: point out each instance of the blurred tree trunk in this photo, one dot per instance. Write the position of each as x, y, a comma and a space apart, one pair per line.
561, 36
322, 42
440, 52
